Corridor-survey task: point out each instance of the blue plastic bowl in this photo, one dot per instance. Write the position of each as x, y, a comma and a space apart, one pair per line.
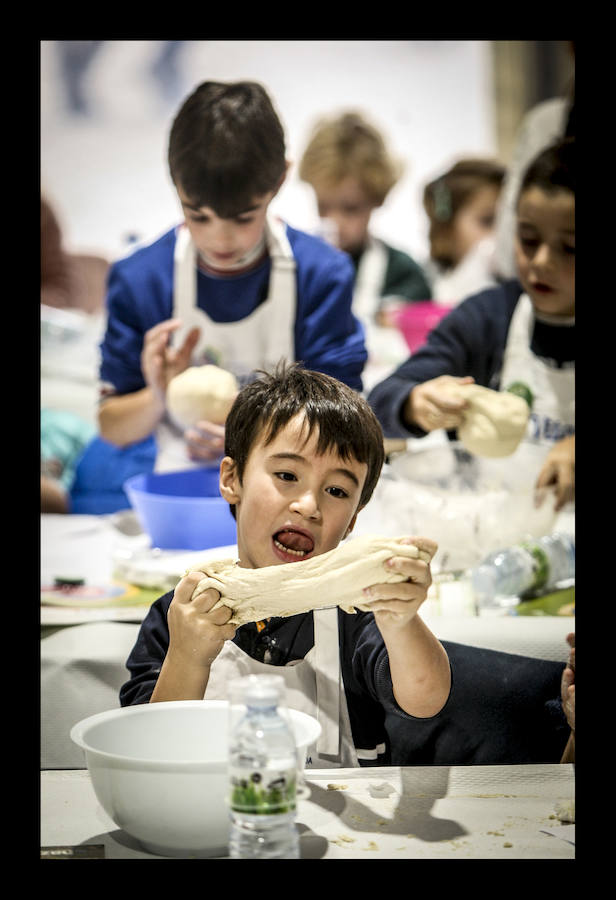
182, 510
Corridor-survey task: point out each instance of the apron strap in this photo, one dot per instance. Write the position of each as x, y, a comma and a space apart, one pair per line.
369, 280
327, 667
282, 293
184, 273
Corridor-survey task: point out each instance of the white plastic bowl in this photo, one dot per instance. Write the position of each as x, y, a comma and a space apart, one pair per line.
159, 770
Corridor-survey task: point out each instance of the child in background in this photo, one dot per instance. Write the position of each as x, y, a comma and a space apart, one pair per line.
231, 285
351, 172
304, 453
545, 123
64, 437
69, 280
461, 207
523, 330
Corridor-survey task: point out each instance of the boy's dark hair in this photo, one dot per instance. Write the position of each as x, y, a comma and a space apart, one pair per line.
226, 146
553, 169
343, 418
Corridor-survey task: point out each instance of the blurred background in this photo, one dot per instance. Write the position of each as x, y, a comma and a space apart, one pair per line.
106, 109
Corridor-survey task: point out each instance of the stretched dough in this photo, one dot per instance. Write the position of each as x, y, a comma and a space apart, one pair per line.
494, 422
201, 392
335, 577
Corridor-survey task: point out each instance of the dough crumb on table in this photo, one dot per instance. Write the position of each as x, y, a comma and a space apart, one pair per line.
565, 810
342, 839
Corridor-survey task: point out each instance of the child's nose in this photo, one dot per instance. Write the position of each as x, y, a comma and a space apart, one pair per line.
222, 236
306, 504
543, 255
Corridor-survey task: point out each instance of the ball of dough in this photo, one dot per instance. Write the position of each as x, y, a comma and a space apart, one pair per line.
201, 393
494, 422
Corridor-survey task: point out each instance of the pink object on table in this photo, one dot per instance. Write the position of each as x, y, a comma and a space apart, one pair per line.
417, 320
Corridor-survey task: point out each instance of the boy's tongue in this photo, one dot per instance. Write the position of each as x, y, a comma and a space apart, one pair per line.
293, 540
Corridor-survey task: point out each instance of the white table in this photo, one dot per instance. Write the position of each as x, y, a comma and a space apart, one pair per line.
440, 812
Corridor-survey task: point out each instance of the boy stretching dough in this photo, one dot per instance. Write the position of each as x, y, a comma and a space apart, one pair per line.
303, 455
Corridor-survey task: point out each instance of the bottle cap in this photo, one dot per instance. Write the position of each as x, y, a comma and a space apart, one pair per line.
484, 584
257, 690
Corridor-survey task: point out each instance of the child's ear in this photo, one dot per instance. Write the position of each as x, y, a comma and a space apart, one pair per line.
229, 482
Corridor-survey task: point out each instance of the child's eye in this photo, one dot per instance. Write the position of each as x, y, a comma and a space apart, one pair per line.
285, 476
529, 243
568, 249
337, 492
199, 219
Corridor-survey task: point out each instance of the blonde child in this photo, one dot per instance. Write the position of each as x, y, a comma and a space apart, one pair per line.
351, 171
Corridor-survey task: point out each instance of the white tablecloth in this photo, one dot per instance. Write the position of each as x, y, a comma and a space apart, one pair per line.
439, 812
82, 670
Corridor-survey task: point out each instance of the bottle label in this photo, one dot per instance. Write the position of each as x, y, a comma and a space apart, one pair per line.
262, 792
541, 567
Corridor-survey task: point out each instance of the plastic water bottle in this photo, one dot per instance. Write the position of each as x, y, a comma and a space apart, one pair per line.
262, 775
531, 568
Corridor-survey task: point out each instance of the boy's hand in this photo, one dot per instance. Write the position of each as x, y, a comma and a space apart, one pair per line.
196, 632
160, 362
568, 684
558, 471
431, 407
205, 441
394, 605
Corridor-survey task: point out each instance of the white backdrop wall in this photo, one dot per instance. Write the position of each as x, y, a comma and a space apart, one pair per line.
106, 172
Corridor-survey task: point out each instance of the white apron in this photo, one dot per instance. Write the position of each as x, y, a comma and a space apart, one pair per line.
313, 685
369, 280
386, 346
553, 412
260, 340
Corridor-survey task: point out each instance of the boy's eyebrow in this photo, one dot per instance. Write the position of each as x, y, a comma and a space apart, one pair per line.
299, 458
